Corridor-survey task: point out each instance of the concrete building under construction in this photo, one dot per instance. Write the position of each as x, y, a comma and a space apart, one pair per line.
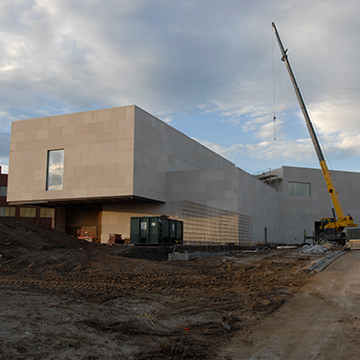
100, 168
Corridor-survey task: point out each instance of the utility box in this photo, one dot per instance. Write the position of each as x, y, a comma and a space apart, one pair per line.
155, 230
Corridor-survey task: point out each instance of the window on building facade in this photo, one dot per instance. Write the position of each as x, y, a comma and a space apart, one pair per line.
3, 190
299, 189
7, 211
27, 212
10, 211
46, 213
55, 170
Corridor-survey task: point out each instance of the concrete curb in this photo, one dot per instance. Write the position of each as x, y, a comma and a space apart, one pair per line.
326, 261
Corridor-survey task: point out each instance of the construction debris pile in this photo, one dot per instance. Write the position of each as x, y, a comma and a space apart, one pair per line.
313, 249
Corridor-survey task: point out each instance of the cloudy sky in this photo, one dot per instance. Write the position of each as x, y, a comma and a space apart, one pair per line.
209, 68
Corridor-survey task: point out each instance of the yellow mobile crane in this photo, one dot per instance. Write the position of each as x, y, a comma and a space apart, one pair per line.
330, 228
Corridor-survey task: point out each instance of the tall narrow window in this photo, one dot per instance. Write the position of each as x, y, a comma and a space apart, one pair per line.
55, 170
3, 190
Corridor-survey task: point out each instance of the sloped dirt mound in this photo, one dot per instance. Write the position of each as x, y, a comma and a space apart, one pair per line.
19, 237
31, 250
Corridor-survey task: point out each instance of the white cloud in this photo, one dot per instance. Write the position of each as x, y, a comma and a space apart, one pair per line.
210, 58
298, 150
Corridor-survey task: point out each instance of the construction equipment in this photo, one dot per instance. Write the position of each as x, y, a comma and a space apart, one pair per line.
328, 228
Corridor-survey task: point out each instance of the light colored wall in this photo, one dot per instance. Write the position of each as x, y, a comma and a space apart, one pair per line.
98, 149
111, 152
211, 187
259, 201
216, 188
116, 218
298, 213
159, 148
228, 189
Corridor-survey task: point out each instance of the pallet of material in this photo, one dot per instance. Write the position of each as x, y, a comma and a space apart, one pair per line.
115, 239
354, 244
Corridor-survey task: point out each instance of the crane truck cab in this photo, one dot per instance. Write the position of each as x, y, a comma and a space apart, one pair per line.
338, 225
327, 223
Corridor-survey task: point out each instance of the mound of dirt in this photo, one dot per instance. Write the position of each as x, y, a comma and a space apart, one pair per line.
20, 237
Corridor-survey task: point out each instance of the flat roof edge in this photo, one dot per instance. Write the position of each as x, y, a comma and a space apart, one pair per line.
106, 200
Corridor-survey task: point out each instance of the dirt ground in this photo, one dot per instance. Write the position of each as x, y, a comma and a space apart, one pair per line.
321, 322
63, 298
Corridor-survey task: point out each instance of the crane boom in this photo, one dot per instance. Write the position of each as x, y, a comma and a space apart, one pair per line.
342, 221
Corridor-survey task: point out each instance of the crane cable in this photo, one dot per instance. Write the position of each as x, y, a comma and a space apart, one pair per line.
273, 73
